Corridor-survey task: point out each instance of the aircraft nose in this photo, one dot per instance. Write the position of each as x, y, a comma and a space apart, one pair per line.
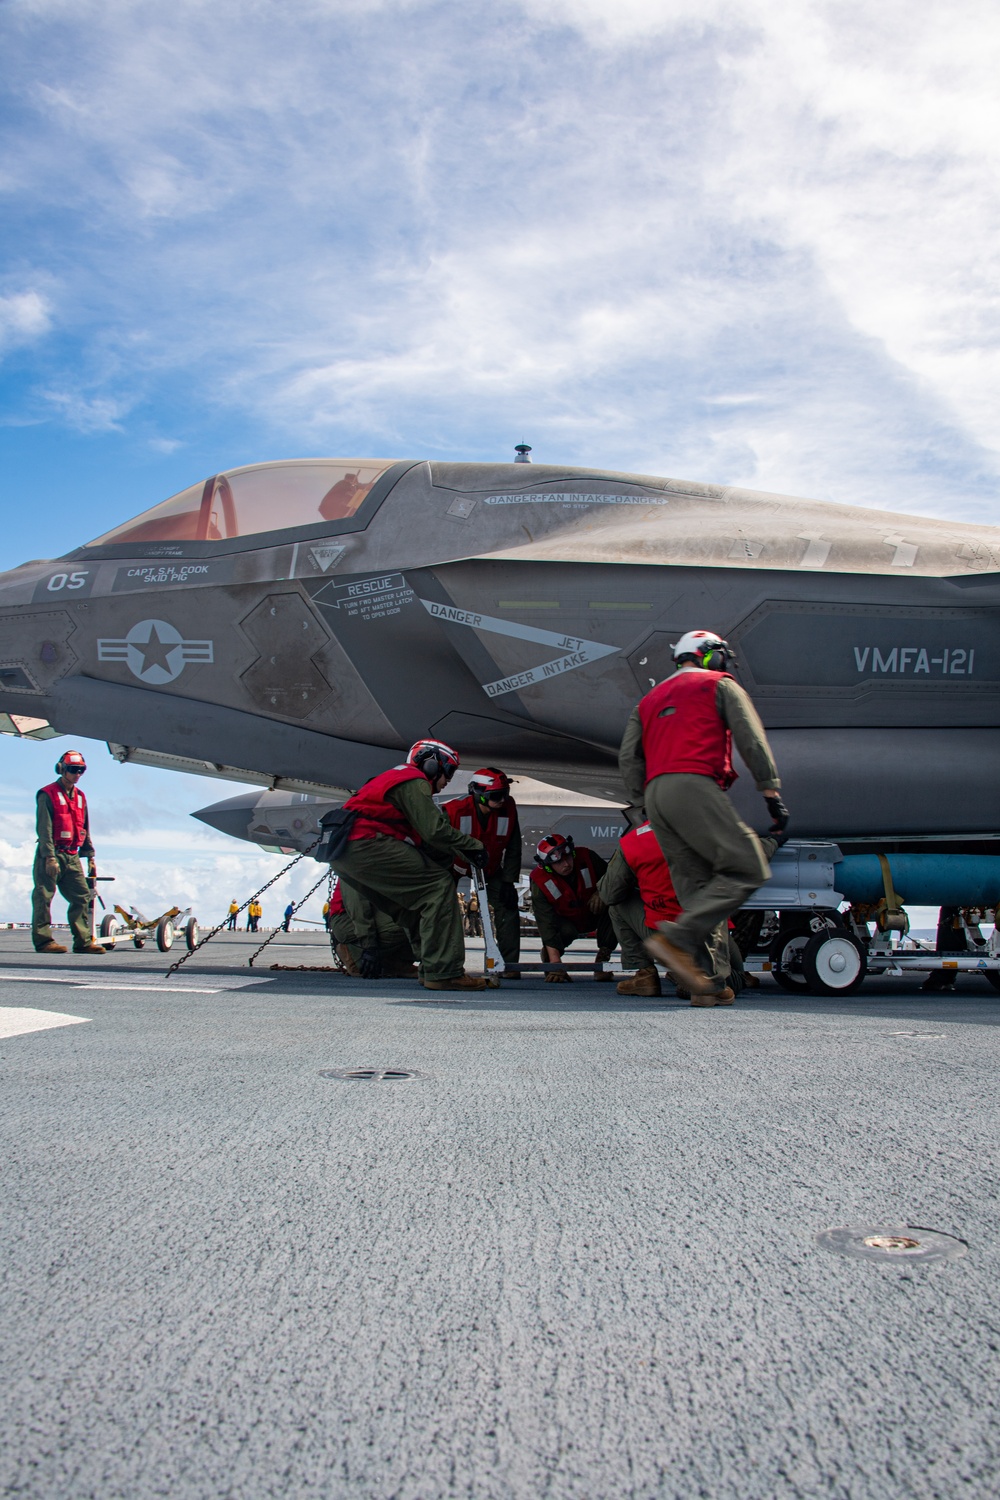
231, 816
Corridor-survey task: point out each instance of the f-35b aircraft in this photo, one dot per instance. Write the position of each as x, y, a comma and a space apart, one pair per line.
298, 624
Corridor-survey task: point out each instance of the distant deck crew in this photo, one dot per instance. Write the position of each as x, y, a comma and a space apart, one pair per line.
676, 763
288, 915
489, 813
63, 825
566, 903
234, 911
399, 856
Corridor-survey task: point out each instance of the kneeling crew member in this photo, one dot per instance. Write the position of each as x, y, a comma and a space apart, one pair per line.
489, 812
566, 902
392, 855
63, 825
676, 761
357, 926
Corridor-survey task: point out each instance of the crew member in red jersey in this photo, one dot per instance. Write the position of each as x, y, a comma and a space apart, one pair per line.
566, 902
63, 825
639, 893
489, 813
398, 855
676, 763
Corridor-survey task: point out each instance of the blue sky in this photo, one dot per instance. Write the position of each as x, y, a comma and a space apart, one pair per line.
743, 241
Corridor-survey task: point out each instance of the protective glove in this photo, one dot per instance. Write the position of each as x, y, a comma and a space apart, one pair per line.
779, 812
52, 868
508, 896
597, 904
91, 869
477, 857
370, 964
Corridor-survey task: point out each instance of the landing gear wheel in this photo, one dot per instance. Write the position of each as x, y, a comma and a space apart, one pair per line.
785, 954
992, 976
165, 935
110, 930
138, 942
191, 932
833, 963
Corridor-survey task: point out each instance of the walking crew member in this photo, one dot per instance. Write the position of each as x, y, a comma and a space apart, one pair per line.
63, 826
489, 813
676, 761
392, 859
357, 927
289, 914
566, 902
233, 914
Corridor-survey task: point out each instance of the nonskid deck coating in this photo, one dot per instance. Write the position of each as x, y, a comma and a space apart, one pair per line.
575, 1257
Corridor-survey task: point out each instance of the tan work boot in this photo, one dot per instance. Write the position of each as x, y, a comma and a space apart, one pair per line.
90, 948
724, 996
51, 947
463, 982
350, 967
558, 976
603, 976
679, 963
645, 982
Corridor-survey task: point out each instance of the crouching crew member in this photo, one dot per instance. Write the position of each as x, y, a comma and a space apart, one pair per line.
357, 926
567, 904
63, 825
489, 813
676, 762
640, 894
392, 859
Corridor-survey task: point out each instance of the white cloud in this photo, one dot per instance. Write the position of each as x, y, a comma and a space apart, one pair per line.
24, 317
427, 227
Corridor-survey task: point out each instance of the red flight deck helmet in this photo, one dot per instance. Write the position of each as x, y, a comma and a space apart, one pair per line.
434, 758
553, 847
489, 782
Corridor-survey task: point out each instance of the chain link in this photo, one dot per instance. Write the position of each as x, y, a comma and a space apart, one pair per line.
225, 922
257, 952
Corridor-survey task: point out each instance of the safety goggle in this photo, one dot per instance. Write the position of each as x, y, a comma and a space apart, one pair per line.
73, 770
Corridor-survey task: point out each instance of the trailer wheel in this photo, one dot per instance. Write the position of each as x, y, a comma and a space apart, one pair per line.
785, 954
165, 935
191, 932
110, 930
992, 976
834, 963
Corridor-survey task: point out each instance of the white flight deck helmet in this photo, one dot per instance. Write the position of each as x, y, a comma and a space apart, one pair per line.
705, 649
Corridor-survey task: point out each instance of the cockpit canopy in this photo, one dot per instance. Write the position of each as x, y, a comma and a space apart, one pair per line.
256, 498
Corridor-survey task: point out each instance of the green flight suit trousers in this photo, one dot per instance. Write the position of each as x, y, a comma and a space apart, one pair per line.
715, 861
416, 892
71, 883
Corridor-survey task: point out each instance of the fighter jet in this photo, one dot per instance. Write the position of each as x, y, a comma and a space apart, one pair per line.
288, 822
297, 624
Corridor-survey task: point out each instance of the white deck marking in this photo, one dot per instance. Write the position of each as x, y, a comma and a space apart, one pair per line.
90, 982
19, 1020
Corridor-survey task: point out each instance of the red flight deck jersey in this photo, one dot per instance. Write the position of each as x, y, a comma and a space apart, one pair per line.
570, 897
682, 731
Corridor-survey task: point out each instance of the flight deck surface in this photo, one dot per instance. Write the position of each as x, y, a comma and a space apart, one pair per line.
574, 1256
